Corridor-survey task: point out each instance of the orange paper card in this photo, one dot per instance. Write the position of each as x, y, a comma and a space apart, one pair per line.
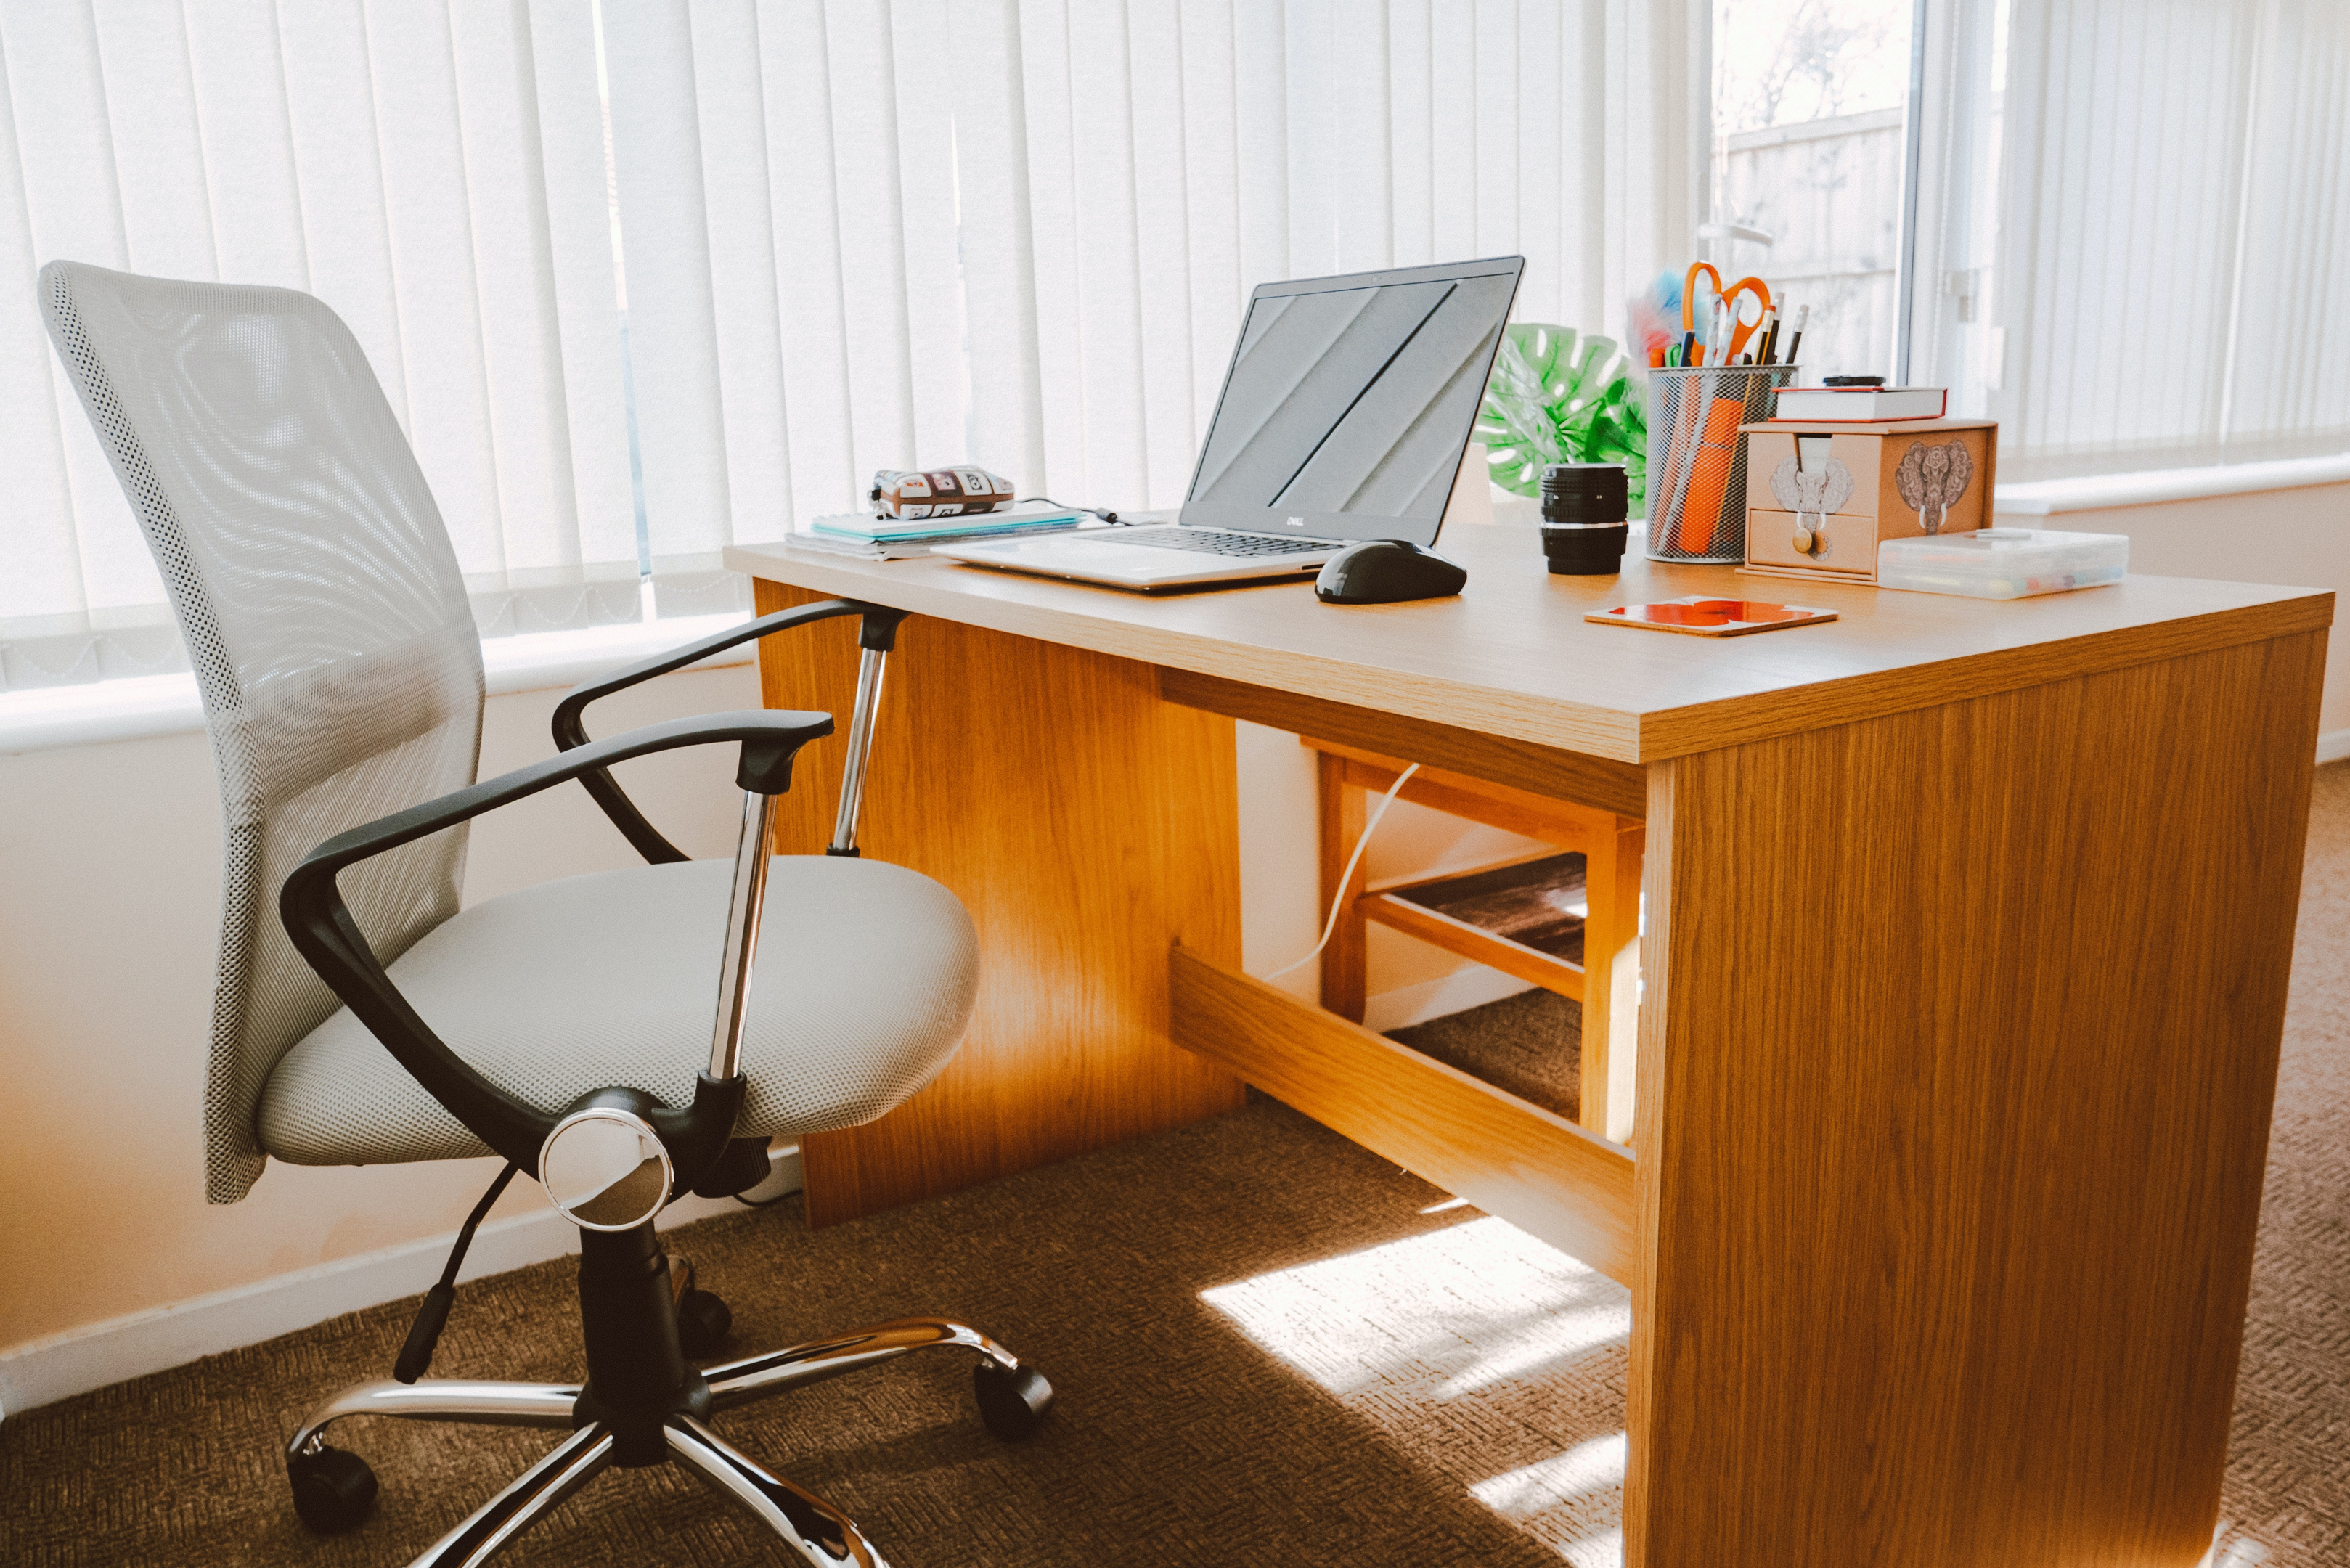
1700, 617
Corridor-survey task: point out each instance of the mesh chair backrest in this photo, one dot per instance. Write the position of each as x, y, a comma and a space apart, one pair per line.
323, 611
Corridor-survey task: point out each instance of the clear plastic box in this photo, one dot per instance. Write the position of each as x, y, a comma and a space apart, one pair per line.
2002, 563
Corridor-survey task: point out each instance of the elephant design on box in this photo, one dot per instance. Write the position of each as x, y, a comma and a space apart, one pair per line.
1811, 495
1930, 479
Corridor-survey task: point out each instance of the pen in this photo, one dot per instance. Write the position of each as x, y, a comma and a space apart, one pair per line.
1688, 348
1795, 340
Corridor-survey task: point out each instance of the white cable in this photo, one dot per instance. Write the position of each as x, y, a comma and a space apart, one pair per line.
1346, 880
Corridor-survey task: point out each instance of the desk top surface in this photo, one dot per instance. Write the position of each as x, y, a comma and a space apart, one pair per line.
1513, 655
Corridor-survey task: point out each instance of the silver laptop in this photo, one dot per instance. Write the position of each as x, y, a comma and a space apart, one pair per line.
1343, 416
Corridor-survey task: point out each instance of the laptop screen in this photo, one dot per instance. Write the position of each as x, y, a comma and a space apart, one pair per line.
1350, 400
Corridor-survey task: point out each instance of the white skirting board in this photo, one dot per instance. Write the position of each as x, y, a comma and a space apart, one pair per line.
82, 1359
2333, 746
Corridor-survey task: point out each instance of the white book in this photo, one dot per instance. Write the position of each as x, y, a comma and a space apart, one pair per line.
1861, 405
826, 541
966, 525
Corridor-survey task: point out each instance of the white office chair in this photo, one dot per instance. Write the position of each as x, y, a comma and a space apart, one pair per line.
365, 1019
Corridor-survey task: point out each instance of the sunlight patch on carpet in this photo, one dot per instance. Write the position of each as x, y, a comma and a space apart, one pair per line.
1482, 1353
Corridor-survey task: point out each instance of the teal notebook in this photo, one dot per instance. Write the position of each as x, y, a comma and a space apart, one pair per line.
868, 525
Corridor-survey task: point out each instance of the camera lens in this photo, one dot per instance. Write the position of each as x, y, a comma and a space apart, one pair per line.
1584, 492
1584, 507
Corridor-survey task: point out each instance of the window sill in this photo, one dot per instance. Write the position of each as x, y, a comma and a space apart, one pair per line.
55, 717
2094, 493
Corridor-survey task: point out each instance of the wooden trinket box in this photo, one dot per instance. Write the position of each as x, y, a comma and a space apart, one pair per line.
1820, 497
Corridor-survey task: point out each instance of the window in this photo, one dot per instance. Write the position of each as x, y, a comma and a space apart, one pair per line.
2102, 225
1811, 130
2174, 211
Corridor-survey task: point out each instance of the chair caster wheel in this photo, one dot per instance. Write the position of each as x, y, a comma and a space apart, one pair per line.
1012, 1404
333, 1489
702, 1321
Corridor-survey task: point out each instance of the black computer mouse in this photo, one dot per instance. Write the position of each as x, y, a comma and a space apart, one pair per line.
1387, 572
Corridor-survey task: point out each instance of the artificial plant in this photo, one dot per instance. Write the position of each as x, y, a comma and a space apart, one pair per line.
1558, 396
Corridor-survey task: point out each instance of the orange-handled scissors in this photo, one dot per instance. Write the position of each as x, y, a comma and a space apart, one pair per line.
1740, 328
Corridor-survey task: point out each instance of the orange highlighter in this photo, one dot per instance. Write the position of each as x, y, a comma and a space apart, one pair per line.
1717, 448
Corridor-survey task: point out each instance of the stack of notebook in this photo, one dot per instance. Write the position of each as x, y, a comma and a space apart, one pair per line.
877, 536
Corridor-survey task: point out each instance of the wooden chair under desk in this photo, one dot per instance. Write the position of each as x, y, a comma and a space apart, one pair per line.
1607, 980
1937, 1221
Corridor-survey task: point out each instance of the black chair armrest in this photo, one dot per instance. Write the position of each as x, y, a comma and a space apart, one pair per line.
329, 938
880, 630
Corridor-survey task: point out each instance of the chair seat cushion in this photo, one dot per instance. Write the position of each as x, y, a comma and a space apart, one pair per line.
863, 986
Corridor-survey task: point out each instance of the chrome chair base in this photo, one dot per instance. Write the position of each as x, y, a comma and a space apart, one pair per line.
1013, 1399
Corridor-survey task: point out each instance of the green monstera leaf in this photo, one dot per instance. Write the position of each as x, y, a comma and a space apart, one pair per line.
1558, 396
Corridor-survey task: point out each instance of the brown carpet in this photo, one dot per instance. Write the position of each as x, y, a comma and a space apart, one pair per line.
1272, 1347
2287, 1499
1530, 1044
1178, 1438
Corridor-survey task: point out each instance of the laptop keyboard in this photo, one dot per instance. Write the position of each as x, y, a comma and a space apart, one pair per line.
1207, 542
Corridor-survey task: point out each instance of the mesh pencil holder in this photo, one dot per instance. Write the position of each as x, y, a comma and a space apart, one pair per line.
1697, 459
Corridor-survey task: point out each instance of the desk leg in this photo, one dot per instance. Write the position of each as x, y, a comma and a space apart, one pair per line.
1346, 962
1087, 826
1961, 1033
1611, 978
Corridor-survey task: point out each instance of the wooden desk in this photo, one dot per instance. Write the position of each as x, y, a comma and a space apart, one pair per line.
1968, 935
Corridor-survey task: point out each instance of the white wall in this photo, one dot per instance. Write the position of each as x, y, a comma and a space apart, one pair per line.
2300, 537
1282, 912
109, 888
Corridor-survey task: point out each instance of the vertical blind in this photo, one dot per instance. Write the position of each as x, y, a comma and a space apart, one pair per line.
761, 250
864, 236
434, 173
2176, 200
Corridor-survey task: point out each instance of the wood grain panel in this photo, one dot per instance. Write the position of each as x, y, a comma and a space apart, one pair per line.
1476, 943
1612, 872
1607, 983
1983, 666
1338, 826
1511, 655
1086, 824
1562, 823
1962, 1031
1539, 1172
1537, 770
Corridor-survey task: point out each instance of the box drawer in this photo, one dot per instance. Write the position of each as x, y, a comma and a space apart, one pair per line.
1848, 543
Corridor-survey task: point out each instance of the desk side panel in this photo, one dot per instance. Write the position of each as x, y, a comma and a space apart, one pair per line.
1954, 1100
1497, 758
1537, 1170
1087, 825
